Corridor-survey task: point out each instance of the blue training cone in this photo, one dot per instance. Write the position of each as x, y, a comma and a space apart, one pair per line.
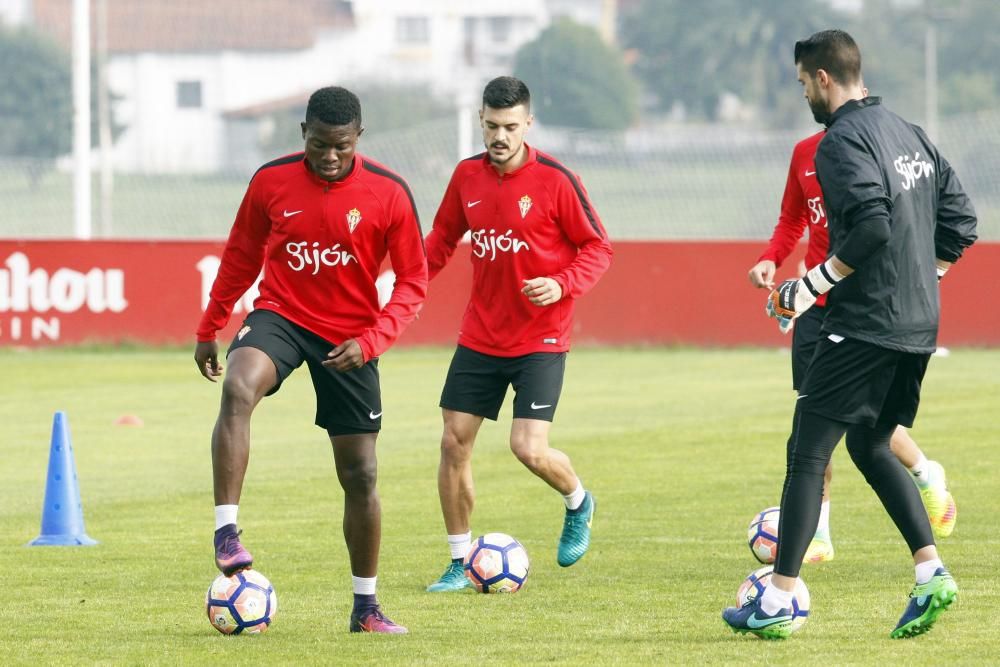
62, 514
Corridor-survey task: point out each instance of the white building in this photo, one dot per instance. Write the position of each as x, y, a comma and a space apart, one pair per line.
184, 71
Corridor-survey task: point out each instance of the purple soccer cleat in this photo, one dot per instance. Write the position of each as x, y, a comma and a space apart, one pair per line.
230, 556
373, 620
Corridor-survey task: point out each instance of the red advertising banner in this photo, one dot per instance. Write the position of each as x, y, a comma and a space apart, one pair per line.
691, 293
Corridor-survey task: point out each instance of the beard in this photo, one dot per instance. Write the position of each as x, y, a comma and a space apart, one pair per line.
819, 112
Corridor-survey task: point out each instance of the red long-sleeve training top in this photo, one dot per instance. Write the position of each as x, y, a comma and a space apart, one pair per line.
536, 221
801, 207
321, 245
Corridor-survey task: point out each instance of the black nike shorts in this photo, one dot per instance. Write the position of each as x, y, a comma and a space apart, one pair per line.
346, 403
477, 383
805, 336
860, 383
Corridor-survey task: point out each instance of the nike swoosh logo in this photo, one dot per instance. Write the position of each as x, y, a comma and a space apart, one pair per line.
539, 407
810, 173
289, 214
372, 415
753, 622
473, 203
801, 397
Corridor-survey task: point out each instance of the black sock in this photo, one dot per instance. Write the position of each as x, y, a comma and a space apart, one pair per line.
457, 560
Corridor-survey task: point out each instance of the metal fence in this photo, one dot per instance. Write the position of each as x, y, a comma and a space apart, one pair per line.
676, 182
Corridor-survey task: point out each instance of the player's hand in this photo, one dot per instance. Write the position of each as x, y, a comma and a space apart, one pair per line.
790, 299
762, 274
345, 357
785, 324
206, 356
942, 268
542, 291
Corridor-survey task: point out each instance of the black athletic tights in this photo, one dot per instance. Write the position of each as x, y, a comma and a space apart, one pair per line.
809, 448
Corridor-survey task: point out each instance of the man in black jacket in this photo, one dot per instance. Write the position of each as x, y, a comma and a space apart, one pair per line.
898, 218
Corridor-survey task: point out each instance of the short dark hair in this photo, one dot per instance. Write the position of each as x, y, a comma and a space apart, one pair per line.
334, 105
505, 92
834, 51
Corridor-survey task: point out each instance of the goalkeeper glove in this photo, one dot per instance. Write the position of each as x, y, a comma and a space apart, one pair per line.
793, 297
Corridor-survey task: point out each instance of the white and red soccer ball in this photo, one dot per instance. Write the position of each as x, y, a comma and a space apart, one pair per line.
762, 535
244, 603
496, 563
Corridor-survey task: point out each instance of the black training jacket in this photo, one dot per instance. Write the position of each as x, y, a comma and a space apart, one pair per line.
872, 160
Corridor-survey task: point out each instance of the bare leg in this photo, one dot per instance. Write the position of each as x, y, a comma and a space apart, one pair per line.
529, 440
827, 481
905, 449
250, 375
357, 470
455, 487
924, 554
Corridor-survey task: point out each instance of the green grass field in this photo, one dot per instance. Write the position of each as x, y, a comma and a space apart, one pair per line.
681, 448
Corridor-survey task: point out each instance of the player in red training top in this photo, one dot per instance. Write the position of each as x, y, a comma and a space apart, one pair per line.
537, 246
320, 223
802, 208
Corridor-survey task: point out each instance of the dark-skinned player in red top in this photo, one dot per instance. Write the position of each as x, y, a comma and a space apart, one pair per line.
802, 208
537, 246
319, 223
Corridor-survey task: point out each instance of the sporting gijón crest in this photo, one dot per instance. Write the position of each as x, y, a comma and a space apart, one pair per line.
524, 203
353, 218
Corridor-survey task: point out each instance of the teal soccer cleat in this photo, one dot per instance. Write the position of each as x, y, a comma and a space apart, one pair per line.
575, 538
452, 580
751, 618
927, 602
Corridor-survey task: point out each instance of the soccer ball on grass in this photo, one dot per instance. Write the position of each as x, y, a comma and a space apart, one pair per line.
244, 603
496, 563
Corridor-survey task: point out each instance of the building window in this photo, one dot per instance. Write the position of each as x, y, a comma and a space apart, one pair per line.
189, 94
500, 28
413, 30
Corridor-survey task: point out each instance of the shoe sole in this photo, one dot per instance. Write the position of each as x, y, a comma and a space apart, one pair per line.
940, 602
822, 557
359, 629
772, 632
450, 589
232, 568
590, 520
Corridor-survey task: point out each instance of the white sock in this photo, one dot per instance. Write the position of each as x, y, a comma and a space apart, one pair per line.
921, 472
575, 499
225, 515
459, 544
774, 600
926, 570
824, 519
363, 585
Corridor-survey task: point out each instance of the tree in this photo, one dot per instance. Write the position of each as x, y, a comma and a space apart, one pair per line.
36, 100
968, 50
577, 79
36, 105
891, 38
692, 53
